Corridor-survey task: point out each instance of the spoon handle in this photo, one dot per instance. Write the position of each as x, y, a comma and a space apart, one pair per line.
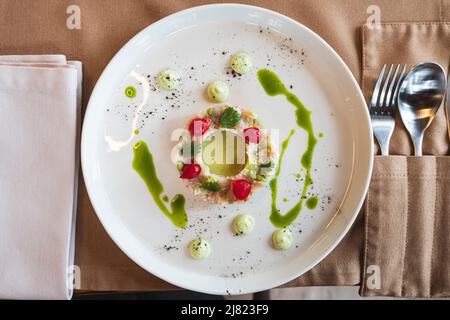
417, 140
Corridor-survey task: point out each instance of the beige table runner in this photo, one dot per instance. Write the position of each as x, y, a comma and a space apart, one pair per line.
40, 27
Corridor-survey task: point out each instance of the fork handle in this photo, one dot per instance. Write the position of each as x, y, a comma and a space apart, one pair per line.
383, 138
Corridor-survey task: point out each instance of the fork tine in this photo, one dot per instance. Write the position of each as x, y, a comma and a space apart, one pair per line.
375, 95
388, 104
399, 83
382, 102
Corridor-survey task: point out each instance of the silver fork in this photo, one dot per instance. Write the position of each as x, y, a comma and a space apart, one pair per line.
383, 105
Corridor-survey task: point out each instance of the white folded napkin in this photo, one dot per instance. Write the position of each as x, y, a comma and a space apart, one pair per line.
40, 102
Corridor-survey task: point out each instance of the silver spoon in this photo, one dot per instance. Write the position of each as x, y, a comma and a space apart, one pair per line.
419, 98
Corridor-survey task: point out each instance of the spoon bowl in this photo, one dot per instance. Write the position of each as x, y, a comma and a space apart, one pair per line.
420, 96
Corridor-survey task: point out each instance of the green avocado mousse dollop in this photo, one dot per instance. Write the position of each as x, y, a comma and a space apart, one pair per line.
169, 79
218, 91
199, 249
243, 224
282, 239
241, 63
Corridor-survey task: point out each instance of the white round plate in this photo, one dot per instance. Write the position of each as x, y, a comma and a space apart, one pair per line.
198, 44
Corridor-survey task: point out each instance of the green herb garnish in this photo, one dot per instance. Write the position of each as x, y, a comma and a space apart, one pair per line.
267, 165
260, 177
263, 168
230, 118
211, 185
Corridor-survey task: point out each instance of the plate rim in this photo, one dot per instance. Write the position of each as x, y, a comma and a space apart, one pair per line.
359, 93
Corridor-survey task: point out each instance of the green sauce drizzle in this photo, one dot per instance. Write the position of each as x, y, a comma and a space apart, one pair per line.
130, 92
311, 203
143, 164
273, 87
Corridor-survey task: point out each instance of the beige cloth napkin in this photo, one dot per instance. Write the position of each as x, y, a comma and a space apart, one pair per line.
40, 100
407, 252
407, 212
